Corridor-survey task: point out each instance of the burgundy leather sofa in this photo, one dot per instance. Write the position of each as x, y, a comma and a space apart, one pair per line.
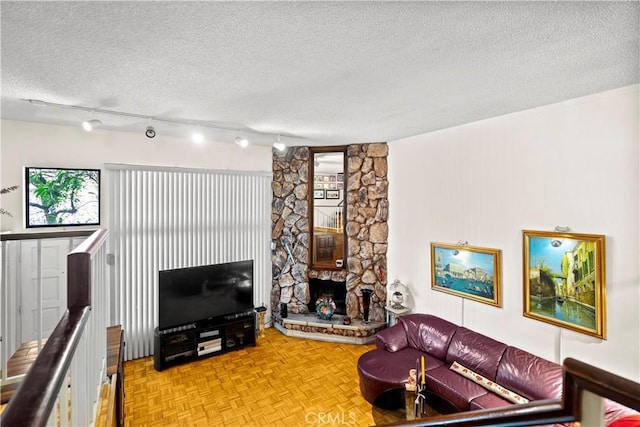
442, 343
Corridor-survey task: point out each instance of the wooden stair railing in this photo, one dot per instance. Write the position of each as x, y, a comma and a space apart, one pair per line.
578, 377
34, 400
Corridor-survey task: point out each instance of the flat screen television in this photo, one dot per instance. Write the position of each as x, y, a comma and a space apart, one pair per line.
60, 197
193, 294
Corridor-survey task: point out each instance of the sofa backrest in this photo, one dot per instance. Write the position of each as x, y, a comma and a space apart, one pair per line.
529, 375
428, 333
475, 351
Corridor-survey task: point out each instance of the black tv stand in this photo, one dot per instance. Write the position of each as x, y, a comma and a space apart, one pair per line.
204, 338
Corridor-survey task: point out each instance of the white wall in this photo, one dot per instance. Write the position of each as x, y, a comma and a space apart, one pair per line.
573, 164
32, 144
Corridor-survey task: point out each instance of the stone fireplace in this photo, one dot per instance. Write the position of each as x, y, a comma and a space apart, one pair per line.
366, 231
336, 290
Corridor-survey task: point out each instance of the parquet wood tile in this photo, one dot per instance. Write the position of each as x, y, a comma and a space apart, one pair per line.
283, 381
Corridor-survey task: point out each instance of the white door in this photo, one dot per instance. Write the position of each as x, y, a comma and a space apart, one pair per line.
54, 286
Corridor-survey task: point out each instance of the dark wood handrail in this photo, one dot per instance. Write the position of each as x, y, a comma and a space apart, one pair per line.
32, 403
45, 235
79, 269
92, 244
526, 414
578, 376
602, 383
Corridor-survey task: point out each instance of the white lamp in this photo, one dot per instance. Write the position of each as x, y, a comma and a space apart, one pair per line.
280, 146
197, 137
241, 141
88, 125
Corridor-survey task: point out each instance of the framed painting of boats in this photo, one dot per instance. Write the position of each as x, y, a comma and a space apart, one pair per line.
564, 280
467, 271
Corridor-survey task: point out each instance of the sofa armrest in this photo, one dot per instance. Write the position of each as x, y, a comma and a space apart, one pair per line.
392, 339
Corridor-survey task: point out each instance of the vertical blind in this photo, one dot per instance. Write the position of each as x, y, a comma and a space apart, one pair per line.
165, 218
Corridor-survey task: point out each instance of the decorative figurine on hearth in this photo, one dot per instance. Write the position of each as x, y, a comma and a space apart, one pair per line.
325, 306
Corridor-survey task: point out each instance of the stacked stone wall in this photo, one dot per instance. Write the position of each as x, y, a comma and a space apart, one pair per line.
366, 197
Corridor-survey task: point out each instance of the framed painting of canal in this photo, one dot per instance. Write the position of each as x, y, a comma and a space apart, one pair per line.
564, 280
467, 271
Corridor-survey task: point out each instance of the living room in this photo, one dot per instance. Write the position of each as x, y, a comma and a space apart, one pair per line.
573, 163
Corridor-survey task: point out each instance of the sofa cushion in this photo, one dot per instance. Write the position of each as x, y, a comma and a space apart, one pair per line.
476, 351
532, 376
428, 333
380, 370
614, 411
453, 387
488, 401
392, 339
628, 421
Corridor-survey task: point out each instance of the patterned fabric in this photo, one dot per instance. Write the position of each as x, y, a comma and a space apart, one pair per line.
629, 421
488, 384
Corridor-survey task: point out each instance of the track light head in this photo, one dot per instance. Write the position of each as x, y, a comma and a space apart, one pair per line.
280, 146
197, 138
88, 125
150, 132
241, 141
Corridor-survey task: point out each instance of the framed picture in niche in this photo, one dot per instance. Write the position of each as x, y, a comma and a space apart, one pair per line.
333, 194
340, 177
318, 194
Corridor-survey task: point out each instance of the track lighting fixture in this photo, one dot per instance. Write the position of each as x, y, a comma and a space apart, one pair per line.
197, 138
241, 141
280, 146
150, 132
88, 125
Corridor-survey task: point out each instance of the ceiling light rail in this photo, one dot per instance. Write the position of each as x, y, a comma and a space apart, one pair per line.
194, 123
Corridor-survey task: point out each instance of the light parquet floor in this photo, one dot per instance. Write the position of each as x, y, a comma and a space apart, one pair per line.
283, 381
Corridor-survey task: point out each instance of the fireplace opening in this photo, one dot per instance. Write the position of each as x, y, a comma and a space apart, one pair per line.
336, 290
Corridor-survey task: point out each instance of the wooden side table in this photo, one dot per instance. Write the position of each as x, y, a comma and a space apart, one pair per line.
394, 313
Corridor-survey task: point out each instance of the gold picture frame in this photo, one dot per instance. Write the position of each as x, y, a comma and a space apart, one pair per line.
564, 280
470, 272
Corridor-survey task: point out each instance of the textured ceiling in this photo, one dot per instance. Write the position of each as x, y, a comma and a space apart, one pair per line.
326, 73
